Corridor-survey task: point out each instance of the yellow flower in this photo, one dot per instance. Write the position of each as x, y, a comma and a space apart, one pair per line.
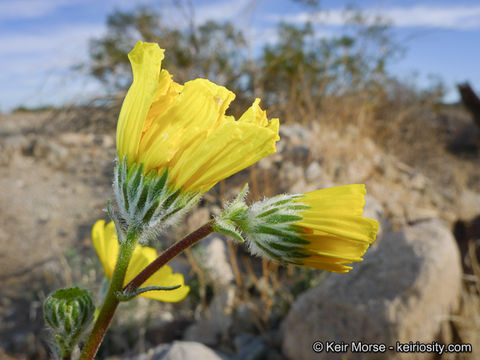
164, 125
105, 241
334, 227
323, 229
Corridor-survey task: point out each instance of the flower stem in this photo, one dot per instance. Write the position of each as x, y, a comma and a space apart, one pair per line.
169, 254
111, 301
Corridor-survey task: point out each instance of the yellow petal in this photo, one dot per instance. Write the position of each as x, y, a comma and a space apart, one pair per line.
145, 59
106, 245
318, 264
231, 147
141, 258
347, 226
345, 199
255, 115
192, 115
165, 277
166, 94
105, 242
331, 245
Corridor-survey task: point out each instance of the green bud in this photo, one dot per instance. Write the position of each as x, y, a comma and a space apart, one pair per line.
234, 217
268, 226
69, 312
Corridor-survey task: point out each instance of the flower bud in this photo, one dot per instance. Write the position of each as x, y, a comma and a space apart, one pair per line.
69, 313
323, 229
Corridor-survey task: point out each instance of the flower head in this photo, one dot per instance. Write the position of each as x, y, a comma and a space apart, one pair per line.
323, 229
106, 244
69, 313
164, 125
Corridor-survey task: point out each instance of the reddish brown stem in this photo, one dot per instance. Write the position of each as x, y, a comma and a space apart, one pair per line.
169, 254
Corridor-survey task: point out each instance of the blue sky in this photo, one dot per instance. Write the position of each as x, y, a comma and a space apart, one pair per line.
40, 40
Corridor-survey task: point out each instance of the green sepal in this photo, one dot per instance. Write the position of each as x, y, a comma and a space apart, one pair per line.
282, 218
69, 313
121, 236
234, 219
148, 201
227, 228
127, 296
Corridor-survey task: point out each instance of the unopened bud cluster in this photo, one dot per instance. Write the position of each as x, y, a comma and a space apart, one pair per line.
69, 313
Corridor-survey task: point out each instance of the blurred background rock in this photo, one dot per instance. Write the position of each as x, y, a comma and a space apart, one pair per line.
345, 119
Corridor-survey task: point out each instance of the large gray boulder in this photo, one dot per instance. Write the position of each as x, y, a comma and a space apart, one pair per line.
180, 350
403, 291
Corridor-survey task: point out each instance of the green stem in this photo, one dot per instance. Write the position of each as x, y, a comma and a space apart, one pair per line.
111, 301
169, 254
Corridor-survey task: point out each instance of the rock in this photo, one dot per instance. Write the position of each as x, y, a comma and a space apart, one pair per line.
214, 327
205, 331
76, 139
250, 347
374, 210
289, 174
469, 204
415, 214
216, 260
299, 154
245, 318
47, 150
403, 291
359, 170
294, 134
301, 187
314, 172
180, 350
417, 182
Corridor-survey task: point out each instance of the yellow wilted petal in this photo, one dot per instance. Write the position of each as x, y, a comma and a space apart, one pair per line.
165, 277
255, 115
166, 94
231, 147
334, 245
334, 227
345, 199
195, 112
141, 257
348, 226
106, 245
318, 264
145, 59
162, 123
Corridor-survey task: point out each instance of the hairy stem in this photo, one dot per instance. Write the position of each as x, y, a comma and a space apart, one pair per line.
169, 254
111, 301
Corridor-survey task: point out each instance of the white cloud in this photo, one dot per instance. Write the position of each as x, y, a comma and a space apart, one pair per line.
28, 9
451, 17
38, 65
228, 10
50, 40
459, 17
221, 11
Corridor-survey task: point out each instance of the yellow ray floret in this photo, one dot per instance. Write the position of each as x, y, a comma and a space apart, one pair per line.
184, 128
106, 244
337, 232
